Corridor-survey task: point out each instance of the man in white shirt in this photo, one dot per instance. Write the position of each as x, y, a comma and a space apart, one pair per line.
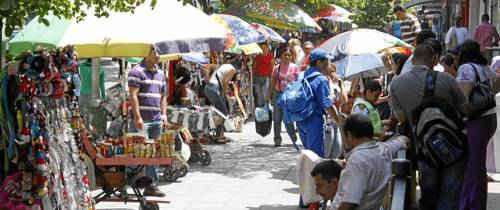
363, 183
421, 37
459, 32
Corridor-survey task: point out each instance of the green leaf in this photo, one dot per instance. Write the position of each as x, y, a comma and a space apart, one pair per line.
44, 21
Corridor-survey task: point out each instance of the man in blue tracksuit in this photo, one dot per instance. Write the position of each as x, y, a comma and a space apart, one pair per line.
311, 130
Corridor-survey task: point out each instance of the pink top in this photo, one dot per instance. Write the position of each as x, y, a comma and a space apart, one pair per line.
485, 33
287, 74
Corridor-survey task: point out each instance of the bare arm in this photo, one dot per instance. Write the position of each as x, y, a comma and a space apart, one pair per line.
227, 79
163, 104
271, 86
347, 206
333, 114
343, 93
401, 117
134, 102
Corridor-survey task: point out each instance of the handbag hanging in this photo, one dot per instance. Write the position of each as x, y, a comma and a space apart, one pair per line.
481, 98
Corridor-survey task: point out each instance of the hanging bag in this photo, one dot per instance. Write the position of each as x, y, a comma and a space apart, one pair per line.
481, 98
453, 41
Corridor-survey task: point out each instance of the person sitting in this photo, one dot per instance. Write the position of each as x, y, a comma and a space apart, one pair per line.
365, 105
326, 176
363, 183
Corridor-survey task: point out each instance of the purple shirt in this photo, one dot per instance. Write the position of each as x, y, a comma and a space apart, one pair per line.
484, 35
151, 85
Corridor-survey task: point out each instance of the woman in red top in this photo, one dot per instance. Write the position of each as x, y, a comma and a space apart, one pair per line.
262, 70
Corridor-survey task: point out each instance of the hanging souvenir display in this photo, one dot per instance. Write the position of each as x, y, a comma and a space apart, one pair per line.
40, 127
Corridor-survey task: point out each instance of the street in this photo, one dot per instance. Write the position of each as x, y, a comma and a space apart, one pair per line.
247, 174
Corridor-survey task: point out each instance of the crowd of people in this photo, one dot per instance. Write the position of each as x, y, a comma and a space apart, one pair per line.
362, 134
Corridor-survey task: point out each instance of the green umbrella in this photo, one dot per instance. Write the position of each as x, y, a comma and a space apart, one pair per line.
274, 13
36, 34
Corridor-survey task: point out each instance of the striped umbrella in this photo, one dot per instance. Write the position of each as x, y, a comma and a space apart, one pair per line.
240, 35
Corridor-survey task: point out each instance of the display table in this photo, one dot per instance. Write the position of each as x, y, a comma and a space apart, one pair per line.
123, 161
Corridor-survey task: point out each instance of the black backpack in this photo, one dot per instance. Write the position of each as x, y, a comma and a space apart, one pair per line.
438, 128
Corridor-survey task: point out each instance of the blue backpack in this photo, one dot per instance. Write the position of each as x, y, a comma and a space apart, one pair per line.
297, 101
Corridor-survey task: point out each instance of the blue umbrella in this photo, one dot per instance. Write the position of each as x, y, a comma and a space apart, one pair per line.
268, 32
198, 58
243, 31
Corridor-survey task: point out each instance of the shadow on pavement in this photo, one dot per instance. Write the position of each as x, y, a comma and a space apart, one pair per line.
274, 207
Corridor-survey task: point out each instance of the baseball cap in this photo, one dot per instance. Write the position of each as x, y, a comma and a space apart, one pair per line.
318, 54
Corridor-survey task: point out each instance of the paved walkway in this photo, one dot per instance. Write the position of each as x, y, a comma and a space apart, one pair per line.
248, 174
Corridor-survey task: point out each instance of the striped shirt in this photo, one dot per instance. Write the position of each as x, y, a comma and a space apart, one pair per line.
151, 85
409, 27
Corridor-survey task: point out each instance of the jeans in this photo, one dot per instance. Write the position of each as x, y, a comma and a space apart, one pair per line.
333, 141
441, 188
475, 190
261, 85
213, 94
278, 118
153, 131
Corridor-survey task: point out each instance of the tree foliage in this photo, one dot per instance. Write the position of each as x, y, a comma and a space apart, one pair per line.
15, 12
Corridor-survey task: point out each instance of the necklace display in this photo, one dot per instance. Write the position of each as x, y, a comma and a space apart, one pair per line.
40, 132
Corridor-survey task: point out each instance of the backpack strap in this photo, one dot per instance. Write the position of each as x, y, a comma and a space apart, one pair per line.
430, 83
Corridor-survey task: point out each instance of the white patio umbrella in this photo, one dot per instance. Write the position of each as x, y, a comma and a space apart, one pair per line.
359, 41
361, 66
170, 26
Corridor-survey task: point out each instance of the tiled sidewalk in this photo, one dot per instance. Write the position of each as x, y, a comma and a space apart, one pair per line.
248, 174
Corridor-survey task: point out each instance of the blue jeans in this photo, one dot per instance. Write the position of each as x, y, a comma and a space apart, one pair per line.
278, 118
153, 131
333, 141
441, 188
261, 85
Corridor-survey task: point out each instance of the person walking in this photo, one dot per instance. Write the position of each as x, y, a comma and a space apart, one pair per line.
311, 129
479, 129
409, 25
283, 74
262, 70
297, 52
487, 36
216, 93
440, 187
456, 35
148, 113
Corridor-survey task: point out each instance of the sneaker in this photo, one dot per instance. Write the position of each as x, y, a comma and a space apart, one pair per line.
153, 191
277, 142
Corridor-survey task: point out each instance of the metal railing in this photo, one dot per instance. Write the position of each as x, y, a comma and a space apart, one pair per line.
400, 192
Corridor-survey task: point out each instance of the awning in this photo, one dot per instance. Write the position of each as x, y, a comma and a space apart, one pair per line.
419, 2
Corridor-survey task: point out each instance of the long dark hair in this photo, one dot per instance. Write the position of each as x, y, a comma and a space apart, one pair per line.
285, 50
470, 52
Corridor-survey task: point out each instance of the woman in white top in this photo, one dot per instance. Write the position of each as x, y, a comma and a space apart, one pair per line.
480, 128
457, 32
216, 93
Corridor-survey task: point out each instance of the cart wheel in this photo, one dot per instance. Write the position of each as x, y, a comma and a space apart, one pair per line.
205, 159
170, 174
183, 171
150, 205
195, 157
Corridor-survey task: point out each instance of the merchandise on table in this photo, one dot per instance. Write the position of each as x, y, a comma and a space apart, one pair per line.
40, 132
137, 146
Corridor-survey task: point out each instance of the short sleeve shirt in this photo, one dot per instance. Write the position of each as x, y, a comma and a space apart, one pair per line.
321, 90
466, 73
366, 176
285, 74
151, 86
407, 90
